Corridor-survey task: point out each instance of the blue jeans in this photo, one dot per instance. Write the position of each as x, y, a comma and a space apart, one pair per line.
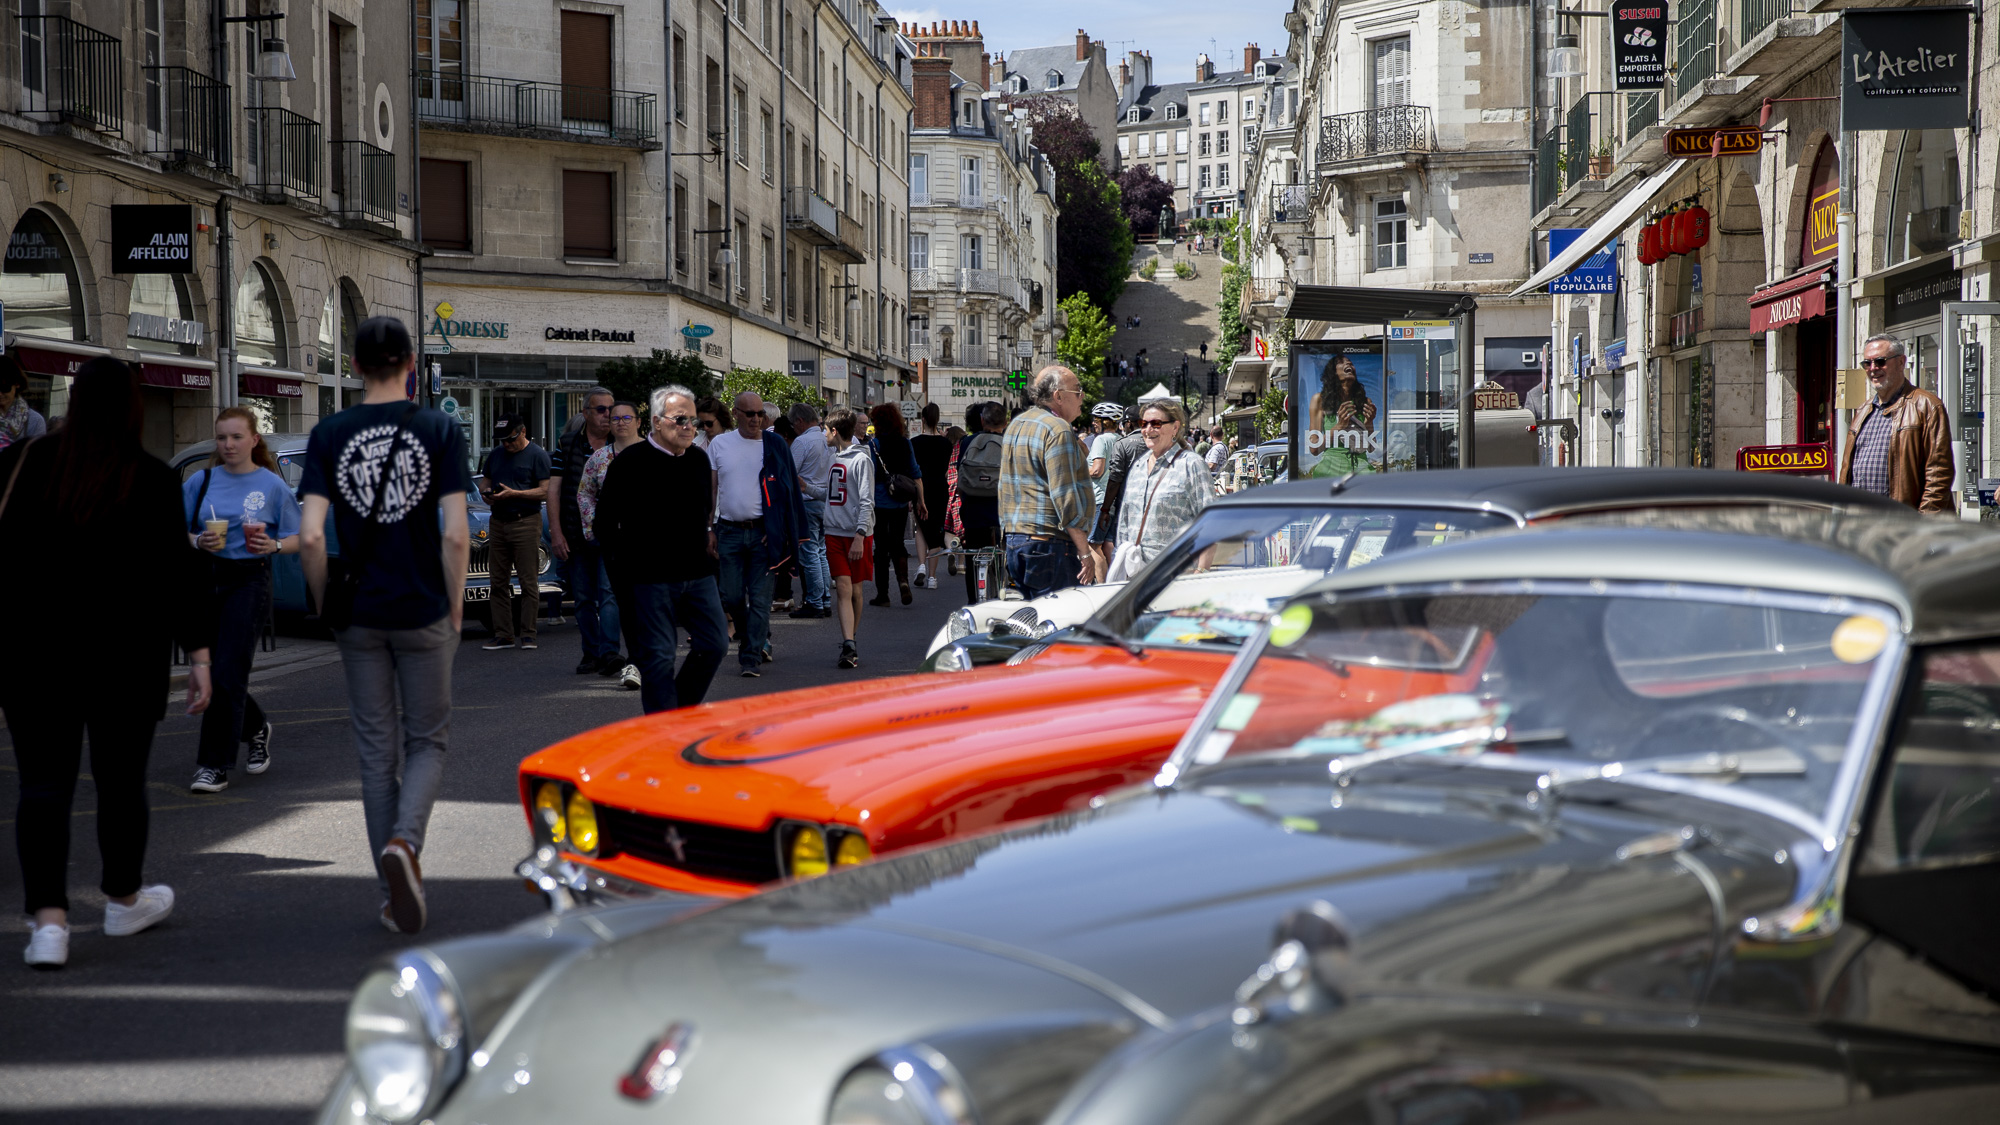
596, 605
654, 612
812, 557
744, 581
1041, 566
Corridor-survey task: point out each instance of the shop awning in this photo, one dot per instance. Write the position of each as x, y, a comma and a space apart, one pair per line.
1361, 304
1801, 296
1605, 229
184, 376
53, 357
274, 384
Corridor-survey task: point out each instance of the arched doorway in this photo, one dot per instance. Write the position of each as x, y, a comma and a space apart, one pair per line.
339, 387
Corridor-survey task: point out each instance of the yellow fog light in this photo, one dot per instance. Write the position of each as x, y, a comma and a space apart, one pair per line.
548, 796
582, 824
852, 851
808, 852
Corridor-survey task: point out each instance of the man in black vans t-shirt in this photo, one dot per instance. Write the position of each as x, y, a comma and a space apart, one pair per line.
393, 476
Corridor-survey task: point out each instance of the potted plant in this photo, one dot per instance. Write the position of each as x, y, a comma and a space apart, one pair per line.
1601, 160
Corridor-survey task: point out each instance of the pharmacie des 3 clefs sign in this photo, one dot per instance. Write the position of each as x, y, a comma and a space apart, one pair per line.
1905, 68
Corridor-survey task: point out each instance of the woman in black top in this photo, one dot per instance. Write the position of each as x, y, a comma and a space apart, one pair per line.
67, 496
893, 457
933, 453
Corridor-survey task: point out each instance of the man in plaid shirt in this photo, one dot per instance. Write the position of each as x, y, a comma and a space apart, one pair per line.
1046, 503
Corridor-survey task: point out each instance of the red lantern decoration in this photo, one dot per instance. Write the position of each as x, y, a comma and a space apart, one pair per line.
1697, 223
1655, 249
1677, 233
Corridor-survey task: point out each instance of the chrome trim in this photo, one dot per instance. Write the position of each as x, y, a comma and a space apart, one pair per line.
1744, 501
929, 1079
659, 1069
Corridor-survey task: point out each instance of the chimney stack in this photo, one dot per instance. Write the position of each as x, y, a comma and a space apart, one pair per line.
1124, 75
1250, 56
930, 86
1204, 70
1082, 45
998, 71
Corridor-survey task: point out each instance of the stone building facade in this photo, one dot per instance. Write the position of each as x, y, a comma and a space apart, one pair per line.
1200, 136
1735, 345
293, 194
983, 224
1077, 73
728, 182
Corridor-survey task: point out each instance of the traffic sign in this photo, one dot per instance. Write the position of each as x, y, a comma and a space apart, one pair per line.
1698, 143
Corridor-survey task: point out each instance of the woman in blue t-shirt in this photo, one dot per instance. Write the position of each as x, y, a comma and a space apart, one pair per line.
241, 512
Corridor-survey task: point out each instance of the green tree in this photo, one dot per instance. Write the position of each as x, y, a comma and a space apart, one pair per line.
1093, 236
774, 386
634, 379
1234, 332
1087, 343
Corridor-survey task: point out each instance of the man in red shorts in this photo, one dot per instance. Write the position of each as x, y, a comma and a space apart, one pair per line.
850, 524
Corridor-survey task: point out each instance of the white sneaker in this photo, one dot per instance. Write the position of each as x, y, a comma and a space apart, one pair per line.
48, 946
153, 905
629, 677
922, 580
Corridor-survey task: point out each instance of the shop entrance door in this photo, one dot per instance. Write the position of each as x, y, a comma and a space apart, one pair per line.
1816, 379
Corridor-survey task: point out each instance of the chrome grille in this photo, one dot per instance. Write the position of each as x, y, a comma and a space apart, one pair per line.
709, 850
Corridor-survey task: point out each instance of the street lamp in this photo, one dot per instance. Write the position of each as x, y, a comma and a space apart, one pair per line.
274, 63
1566, 58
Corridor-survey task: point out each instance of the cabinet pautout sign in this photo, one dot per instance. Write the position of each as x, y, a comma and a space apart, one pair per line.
1905, 68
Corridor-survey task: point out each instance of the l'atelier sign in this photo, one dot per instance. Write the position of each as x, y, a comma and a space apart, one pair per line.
593, 335
1905, 68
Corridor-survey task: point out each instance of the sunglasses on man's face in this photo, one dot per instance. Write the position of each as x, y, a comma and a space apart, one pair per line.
708, 423
1881, 362
679, 420
741, 413
600, 410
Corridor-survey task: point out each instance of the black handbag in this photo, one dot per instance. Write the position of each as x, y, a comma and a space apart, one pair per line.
336, 609
901, 487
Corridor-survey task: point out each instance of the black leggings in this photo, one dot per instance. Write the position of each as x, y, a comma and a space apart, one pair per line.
48, 748
891, 524
241, 589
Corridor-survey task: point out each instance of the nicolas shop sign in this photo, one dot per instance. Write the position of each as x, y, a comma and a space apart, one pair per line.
1905, 68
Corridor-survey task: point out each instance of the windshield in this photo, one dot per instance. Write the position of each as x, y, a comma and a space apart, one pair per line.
1220, 580
1756, 692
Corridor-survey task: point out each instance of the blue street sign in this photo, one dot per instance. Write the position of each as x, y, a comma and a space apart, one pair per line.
1595, 274
697, 331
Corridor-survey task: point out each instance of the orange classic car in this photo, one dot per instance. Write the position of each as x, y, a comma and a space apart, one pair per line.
721, 798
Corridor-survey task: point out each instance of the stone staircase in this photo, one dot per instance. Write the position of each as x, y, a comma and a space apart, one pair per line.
1175, 316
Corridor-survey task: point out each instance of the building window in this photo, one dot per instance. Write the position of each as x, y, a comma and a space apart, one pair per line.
1249, 109
971, 111
1180, 140
49, 300
765, 262
155, 57
920, 250
1054, 80
440, 52
1221, 112
1222, 175
742, 246
1204, 182
711, 243
1392, 234
1391, 65
1222, 143
791, 283
1124, 146
680, 226
1180, 173
1926, 196
587, 211
261, 340
446, 207
680, 65
972, 334
1202, 145
767, 128
1173, 111
1146, 144
739, 124
764, 28
1204, 115
586, 67
970, 254
920, 174
1132, 116
713, 111
968, 184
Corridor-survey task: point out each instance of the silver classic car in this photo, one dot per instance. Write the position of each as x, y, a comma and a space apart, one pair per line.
1669, 817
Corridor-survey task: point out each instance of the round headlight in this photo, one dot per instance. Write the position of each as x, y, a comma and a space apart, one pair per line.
852, 851
954, 658
807, 855
959, 625
405, 1039
582, 824
548, 796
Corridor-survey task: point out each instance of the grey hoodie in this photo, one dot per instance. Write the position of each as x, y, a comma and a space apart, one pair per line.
850, 493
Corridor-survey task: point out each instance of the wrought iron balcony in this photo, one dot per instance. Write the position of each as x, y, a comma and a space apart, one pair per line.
484, 104
72, 73
1374, 133
284, 154
189, 115
365, 178
1694, 46
1290, 202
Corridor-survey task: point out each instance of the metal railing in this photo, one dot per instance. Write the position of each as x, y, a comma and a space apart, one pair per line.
978, 281
284, 153
1576, 142
365, 177
1290, 202
965, 355
1694, 46
1753, 16
1642, 112
194, 117
928, 278
920, 199
1548, 166
586, 112
1263, 290
72, 73
1374, 132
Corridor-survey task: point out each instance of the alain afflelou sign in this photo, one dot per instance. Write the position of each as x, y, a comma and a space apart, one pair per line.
1905, 68
152, 238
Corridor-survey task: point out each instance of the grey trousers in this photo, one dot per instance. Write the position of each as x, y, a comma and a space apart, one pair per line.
383, 664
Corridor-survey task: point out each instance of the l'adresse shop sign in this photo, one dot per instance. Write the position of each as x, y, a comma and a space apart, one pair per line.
1905, 68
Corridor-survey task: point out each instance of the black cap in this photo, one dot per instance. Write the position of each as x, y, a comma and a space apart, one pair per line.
381, 342
507, 423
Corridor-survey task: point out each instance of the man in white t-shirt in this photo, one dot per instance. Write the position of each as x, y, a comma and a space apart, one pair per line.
744, 556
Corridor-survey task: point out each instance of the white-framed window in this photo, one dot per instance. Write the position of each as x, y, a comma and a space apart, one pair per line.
1173, 111
1132, 116
1180, 140
1392, 234
1221, 111
1390, 62
971, 254
739, 124
1205, 114
920, 173
1180, 173
1160, 143
1202, 147
767, 130
968, 177
920, 250
1249, 109
1124, 145
1222, 143
1145, 144
971, 111
1054, 80
1205, 177
1222, 175
973, 336
154, 57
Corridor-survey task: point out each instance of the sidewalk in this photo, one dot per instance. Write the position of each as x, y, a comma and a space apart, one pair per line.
293, 654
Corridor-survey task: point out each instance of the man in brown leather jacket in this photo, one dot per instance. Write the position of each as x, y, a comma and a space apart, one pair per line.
1900, 443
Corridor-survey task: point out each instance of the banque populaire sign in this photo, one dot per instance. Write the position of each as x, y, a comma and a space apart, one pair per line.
1905, 68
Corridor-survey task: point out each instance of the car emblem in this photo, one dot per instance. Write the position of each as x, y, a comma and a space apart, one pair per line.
658, 1070
677, 843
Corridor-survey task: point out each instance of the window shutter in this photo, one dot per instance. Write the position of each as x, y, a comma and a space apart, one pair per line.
586, 66
587, 215
445, 207
1392, 72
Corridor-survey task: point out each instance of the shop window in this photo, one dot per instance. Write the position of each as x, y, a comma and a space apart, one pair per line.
260, 320
336, 330
157, 299
1924, 198
40, 289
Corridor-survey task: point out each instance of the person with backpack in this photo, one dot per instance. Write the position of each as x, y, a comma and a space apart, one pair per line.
976, 492
392, 476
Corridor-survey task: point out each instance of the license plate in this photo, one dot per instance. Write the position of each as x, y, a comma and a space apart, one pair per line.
479, 593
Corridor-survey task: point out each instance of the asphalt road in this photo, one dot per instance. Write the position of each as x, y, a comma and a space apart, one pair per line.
231, 1011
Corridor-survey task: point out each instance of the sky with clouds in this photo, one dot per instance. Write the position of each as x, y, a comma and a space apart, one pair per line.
1174, 31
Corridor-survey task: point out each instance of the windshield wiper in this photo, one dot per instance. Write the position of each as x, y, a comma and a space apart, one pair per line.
1484, 735
1091, 627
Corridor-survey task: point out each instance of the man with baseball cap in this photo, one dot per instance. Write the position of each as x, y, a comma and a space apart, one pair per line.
393, 476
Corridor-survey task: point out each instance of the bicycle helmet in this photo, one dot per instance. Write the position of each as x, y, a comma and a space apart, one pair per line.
1109, 411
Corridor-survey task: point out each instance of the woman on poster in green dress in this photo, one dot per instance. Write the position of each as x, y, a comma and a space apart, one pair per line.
1342, 404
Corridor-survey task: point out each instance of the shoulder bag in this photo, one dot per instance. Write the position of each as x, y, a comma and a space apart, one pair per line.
336, 609
1125, 561
901, 487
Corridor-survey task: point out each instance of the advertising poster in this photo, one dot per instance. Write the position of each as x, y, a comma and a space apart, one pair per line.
1337, 400
1906, 68
1639, 43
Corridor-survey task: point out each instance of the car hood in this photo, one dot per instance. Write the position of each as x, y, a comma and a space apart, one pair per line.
743, 762
1150, 909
